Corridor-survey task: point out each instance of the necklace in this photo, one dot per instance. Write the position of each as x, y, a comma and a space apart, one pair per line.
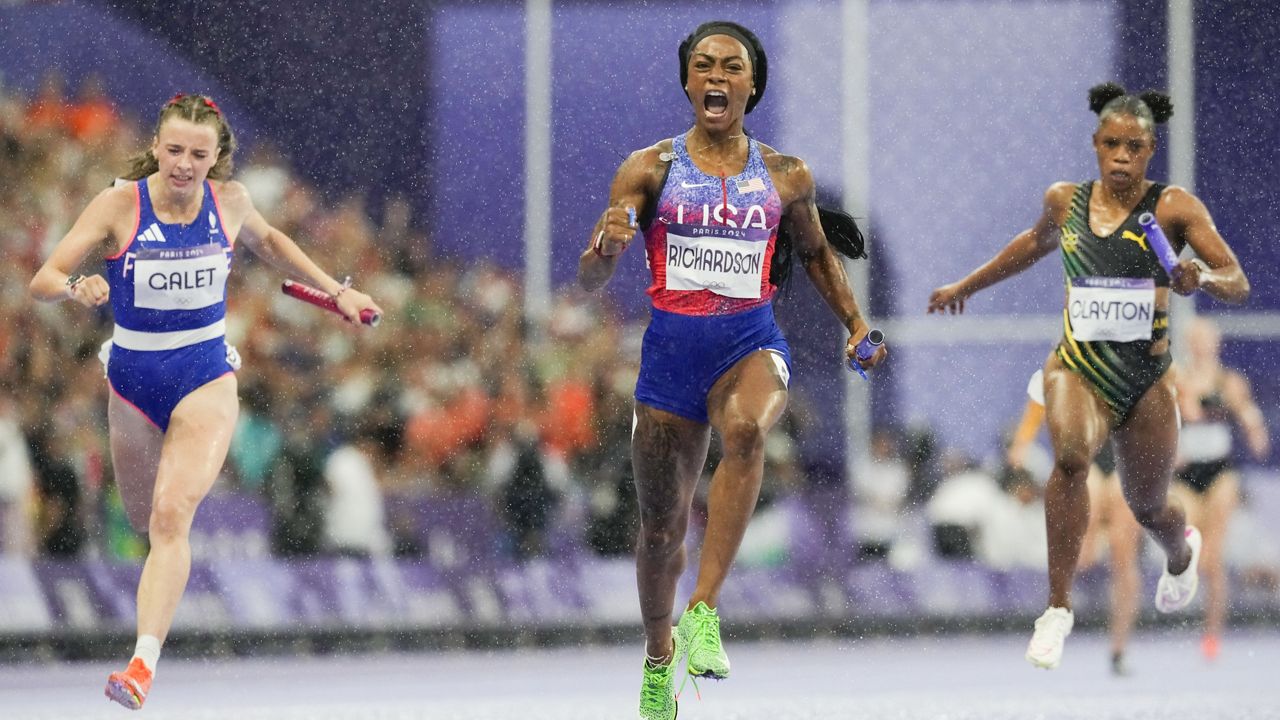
721, 140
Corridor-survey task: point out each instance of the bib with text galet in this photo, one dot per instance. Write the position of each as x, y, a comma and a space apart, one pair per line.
180, 279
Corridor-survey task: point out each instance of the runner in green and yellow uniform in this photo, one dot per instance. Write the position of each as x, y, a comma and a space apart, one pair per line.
1109, 376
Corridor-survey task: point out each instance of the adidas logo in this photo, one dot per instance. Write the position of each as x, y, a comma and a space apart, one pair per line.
152, 234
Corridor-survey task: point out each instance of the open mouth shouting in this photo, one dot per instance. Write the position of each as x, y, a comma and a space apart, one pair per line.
716, 104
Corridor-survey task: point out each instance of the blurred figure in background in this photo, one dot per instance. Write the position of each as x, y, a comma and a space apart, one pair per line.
354, 512
1012, 534
17, 481
879, 496
960, 507
1111, 523
1212, 399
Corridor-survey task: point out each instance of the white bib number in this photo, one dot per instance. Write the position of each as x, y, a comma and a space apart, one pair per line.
183, 279
727, 261
1111, 309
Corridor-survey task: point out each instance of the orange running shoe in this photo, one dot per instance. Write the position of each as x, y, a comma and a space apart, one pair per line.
130, 688
1209, 647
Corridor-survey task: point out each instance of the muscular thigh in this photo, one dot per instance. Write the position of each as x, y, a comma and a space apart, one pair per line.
667, 454
1078, 419
1146, 443
754, 390
135, 458
197, 440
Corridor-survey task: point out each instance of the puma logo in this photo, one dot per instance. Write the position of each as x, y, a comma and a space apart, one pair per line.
1140, 239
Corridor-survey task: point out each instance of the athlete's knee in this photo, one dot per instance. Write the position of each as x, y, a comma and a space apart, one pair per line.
1148, 515
1072, 463
661, 538
743, 437
171, 516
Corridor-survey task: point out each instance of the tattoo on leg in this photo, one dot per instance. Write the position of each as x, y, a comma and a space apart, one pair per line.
656, 449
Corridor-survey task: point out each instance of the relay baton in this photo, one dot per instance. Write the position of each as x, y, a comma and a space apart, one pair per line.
1155, 235
306, 293
865, 348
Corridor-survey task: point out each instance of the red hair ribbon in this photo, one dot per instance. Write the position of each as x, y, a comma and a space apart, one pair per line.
208, 103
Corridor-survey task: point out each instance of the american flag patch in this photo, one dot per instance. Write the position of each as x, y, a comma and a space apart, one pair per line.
753, 185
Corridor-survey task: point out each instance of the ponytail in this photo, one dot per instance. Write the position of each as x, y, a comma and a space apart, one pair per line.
842, 232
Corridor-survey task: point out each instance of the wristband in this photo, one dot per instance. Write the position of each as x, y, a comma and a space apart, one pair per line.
73, 280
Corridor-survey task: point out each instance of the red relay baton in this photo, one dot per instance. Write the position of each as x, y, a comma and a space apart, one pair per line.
320, 299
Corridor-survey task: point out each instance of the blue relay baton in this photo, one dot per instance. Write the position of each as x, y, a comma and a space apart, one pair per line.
1159, 243
863, 351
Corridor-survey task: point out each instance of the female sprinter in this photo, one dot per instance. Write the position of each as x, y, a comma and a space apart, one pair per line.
1109, 376
167, 237
719, 212
1212, 397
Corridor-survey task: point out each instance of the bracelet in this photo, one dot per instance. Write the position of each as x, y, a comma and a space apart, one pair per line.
73, 281
346, 283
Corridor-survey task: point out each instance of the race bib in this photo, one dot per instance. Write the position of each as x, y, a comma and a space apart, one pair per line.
725, 260
180, 279
1113, 309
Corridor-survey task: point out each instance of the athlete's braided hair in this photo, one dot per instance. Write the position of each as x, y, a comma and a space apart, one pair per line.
842, 233
200, 109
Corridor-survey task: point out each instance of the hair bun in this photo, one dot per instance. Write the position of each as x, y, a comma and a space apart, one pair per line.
1100, 95
1160, 103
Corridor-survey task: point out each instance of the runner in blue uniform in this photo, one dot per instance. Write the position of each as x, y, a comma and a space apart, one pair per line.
167, 234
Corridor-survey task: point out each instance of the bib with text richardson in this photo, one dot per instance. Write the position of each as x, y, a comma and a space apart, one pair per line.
727, 261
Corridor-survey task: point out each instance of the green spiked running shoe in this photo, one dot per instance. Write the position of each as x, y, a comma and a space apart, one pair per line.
699, 630
657, 691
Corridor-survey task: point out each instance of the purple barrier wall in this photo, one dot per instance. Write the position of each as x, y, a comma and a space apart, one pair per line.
465, 581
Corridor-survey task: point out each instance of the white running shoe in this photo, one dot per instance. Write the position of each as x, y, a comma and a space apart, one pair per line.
1175, 592
1052, 629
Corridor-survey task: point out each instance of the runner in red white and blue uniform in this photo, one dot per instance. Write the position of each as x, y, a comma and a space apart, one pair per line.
721, 215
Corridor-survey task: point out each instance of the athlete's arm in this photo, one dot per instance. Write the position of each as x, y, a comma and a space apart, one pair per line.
1215, 268
283, 254
795, 184
95, 228
1026, 248
629, 196
1239, 399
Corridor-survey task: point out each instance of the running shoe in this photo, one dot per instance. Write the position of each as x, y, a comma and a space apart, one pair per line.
699, 630
1052, 629
1210, 646
1175, 592
130, 688
657, 690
